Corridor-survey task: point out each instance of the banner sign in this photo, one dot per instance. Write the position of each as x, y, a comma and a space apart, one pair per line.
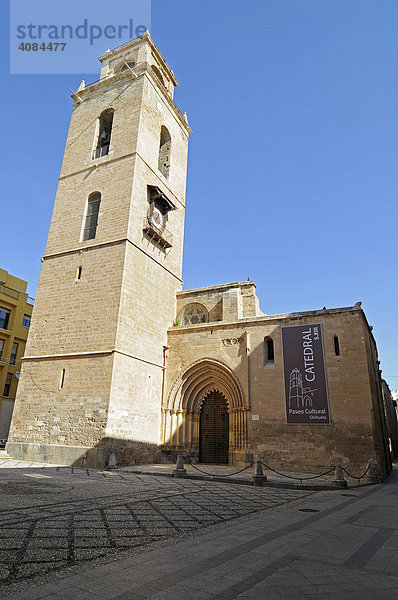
305, 377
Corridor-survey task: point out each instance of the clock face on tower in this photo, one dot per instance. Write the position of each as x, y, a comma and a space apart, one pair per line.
157, 218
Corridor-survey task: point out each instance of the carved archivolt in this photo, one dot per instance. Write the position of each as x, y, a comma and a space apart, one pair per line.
200, 378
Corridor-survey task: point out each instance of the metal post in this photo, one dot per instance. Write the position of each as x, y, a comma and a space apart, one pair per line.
179, 471
372, 475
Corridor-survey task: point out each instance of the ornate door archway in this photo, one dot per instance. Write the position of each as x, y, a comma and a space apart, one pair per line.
214, 430
182, 409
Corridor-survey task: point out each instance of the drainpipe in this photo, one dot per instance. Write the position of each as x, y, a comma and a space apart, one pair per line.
165, 348
248, 349
163, 423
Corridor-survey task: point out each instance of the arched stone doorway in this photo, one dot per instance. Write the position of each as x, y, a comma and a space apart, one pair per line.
214, 430
182, 409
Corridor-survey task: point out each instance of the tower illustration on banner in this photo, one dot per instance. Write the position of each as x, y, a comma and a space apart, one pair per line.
299, 396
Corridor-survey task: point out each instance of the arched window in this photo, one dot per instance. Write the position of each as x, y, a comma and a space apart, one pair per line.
129, 64
193, 314
104, 129
164, 152
158, 74
91, 219
268, 351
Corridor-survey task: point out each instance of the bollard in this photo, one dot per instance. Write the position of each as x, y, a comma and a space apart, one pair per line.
179, 471
258, 478
112, 461
372, 475
339, 480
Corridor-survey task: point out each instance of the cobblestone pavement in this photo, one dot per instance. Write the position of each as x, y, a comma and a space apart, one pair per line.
330, 545
52, 518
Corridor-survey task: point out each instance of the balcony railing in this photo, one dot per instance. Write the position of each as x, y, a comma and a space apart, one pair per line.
101, 151
163, 238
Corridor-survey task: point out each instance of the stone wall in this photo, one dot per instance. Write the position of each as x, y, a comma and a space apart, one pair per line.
226, 302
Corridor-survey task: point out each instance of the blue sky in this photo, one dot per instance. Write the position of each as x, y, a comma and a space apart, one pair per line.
293, 156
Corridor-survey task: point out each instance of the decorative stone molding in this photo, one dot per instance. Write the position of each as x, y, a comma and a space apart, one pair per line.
231, 341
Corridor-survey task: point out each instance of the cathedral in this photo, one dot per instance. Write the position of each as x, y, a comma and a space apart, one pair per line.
120, 360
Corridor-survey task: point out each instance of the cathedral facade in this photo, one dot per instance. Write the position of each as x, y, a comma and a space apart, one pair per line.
120, 360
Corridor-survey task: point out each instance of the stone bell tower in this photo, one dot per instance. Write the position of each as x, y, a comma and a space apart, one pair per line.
93, 376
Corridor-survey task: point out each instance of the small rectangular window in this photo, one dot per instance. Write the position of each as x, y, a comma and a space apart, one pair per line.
14, 351
79, 273
268, 352
4, 318
1, 348
26, 320
336, 346
6, 392
270, 349
62, 379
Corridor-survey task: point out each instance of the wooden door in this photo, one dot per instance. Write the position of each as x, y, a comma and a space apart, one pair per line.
214, 430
